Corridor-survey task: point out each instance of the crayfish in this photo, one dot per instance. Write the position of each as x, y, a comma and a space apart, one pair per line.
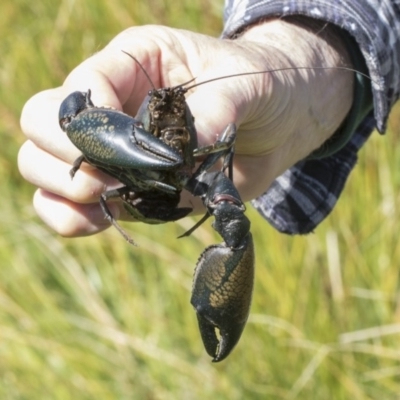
153, 156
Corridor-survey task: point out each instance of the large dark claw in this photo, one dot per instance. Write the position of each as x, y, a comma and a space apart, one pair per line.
222, 290
110, 137
132, 147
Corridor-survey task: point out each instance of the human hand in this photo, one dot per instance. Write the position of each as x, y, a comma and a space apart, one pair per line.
281, 117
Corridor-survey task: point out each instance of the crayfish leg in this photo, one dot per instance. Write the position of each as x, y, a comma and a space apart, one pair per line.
109, 217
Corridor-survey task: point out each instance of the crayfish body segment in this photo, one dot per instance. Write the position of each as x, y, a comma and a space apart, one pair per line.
153, 156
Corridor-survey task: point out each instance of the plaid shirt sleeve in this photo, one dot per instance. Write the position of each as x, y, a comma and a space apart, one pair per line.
299, 199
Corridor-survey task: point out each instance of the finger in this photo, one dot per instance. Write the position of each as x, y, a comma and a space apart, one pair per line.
110, 74
71, 219
136, 60
113, 76
39, 122
52, 174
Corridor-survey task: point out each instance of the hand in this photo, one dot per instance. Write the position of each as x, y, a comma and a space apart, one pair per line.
281, 116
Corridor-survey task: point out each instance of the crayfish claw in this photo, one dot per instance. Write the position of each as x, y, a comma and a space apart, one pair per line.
208, 335
222, 290
218, 349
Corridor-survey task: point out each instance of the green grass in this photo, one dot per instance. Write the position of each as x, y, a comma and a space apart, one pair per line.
94, 318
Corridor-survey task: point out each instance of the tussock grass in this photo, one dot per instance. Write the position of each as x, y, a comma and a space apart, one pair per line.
95, 318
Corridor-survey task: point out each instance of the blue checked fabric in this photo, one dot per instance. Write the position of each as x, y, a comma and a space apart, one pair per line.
299, 199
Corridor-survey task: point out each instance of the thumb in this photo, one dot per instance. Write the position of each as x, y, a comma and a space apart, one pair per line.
213, 108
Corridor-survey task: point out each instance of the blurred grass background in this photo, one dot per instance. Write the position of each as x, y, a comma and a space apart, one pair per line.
94, 318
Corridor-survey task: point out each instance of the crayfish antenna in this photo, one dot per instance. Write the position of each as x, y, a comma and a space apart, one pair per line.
195, 226
141, 67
